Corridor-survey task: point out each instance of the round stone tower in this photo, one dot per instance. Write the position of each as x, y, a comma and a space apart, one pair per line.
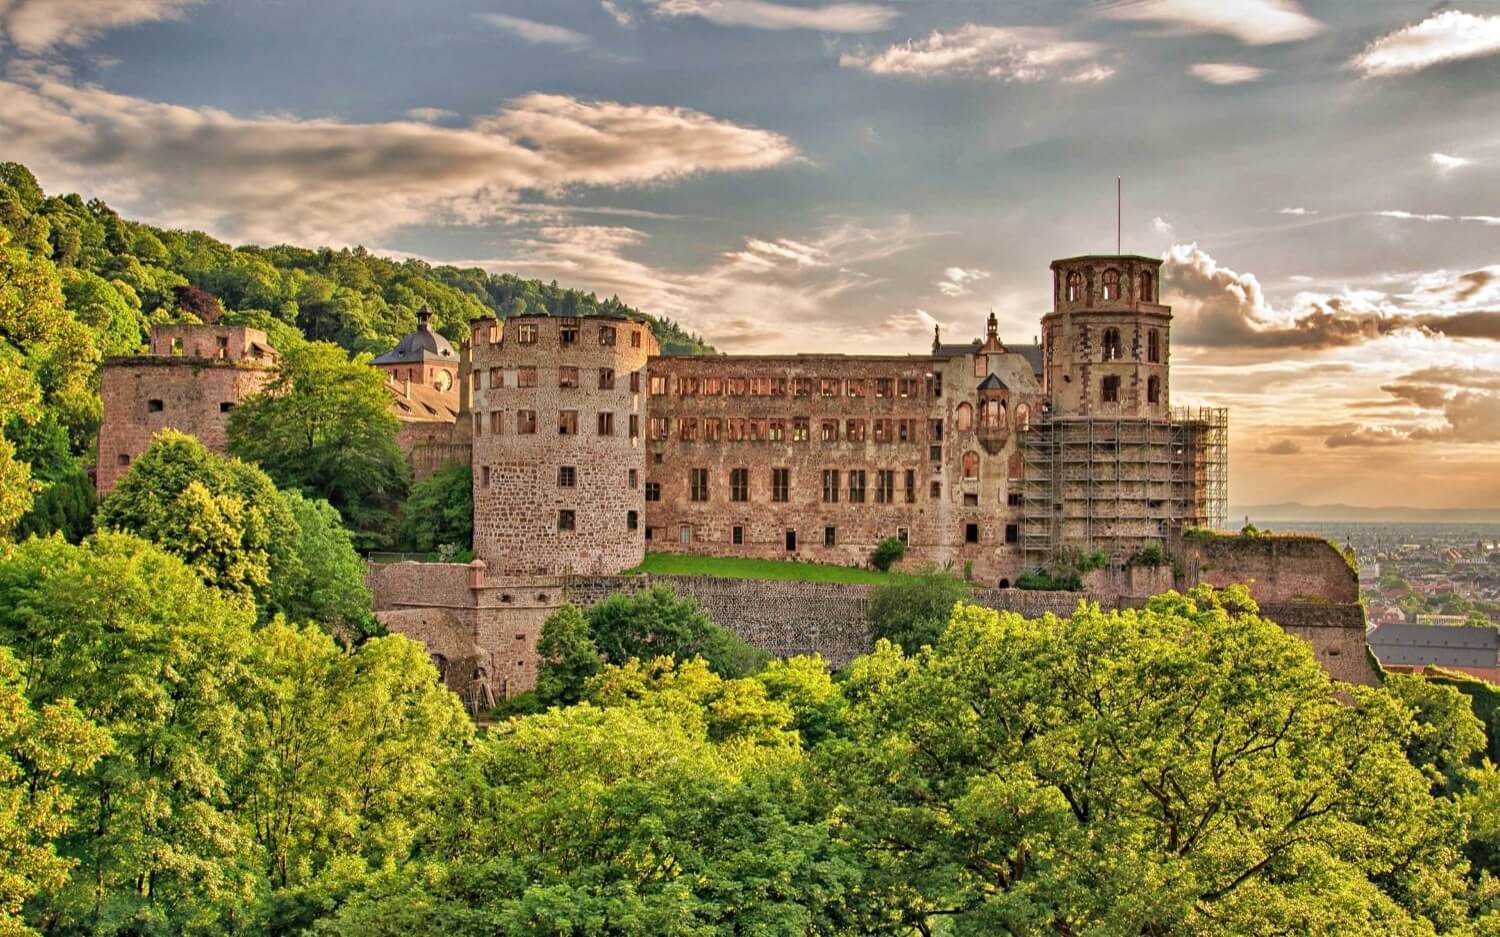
1106, 340
558, 463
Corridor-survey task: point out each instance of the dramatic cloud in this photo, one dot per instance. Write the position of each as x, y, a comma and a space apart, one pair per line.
1216, 307
1022, 53
763, 14
1365, 436
1253, 22
39, 25
1225, 73
1281, 447
1445, 163
321, 180
956, 281
536, 32
1448, 36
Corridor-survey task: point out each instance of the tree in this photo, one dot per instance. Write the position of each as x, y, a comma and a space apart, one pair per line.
222, 516
888, 553
440, 510
322, 580
1182, 769
913, 611
323, 426
658, 623
150, 654
569, 658
42, 750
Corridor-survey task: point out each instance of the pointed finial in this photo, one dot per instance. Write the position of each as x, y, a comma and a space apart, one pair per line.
937, 337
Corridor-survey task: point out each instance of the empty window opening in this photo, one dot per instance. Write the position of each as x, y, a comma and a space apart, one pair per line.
1148, 287
566, 521
1111, 284
1012, 533
830, 486
226, 406
568, 334
781, 485
154, 406
1075, 286
791, 541
830, 536
739, 484
1153, 347
971, 466
698, 484
971, 533
567, 423
1112, 344
1153, 390
737, 535
653, 491
1110, 390
632, 520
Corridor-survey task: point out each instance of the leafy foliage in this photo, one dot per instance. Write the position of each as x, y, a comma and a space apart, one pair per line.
913, 611
887, 553
322, 580
440, 511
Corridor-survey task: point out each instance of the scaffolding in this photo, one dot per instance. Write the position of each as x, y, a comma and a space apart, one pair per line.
1116, 484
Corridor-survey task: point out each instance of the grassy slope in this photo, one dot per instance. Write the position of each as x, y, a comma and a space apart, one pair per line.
676, 564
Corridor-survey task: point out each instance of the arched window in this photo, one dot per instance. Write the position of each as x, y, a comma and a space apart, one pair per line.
1153, 346
1112, 344
1075, 286
1111, 284
963, 419
1023, 417
1153, 390
1147, 284
971, 466
1014, 467
1110, 390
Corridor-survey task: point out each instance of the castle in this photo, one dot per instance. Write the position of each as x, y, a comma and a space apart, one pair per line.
589, 448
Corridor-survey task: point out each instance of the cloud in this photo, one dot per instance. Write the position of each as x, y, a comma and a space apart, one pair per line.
1253, 22
1281, 447
622, 17
536, 32
39, 25
764, 14
321, 180
1296, 211
1411, 216
1447, 36
1020, 53
1161, 226
1216, 307
1225, 73
430, 115
956, 281
1445, 163
1365, 436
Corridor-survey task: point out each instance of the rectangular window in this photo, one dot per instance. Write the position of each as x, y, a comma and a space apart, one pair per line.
687, 428
224, 346
830, 536
495, 418
484, 476
526, 333
568, 334
760, 387
885, 486
635, 382
478, 424
908, 387
830, 431
937, 387
653, 491
935, 454
606, 424
1012, 534
567, 377
713, 386
911, 486
713, 429
1110, 392
776, 430
566, 521
778, 387
1015, 499
937, 489
607, 336
632, 520
635, 338
606, 378
698, 483
684, 535
906, 431
687, 387
497, 378
567, 423
971, 500
857, 486
904, 535
659, 427
154, 406
854, 430
971, 533
734, 430
526, 422
525, 377
225, 406
857, 388
633, 479
800, 430
802, 387
735, 387
781, 485
829, 387
830, 486
635, 426
759, 430
885, 430
739, 484
737, 535
658, 385
567, 476
935, 430
882, 387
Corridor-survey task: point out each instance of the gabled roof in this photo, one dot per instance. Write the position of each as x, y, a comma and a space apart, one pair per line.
993, 382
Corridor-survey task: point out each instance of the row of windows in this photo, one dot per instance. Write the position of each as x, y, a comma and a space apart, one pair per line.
853, 484
525, 423
1109, 390
1110, 286
797, 429
828, 387
1112, 349
567, 377
157, 405
568, 333
685, 534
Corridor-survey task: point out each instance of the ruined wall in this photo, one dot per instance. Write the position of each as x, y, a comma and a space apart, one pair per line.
1336, 633
1276, 569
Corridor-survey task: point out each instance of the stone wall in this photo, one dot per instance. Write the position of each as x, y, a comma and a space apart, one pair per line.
1336, 633
1276, 569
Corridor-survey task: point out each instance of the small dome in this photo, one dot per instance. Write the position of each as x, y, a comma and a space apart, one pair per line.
421, 345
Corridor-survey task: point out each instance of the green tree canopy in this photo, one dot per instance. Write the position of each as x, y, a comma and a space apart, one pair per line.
912, 611
322, 580
440, 511
323, 426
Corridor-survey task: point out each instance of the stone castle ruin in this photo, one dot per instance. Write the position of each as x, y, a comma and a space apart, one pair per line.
589, 447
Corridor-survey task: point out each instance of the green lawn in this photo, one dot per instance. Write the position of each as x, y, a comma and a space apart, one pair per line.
678, 564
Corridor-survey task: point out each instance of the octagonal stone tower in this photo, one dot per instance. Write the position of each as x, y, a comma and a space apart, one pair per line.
1105, 341
558, 462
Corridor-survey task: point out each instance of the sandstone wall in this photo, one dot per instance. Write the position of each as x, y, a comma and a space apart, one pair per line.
1276, 569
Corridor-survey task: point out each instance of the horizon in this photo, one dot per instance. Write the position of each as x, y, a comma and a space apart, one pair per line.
782, 176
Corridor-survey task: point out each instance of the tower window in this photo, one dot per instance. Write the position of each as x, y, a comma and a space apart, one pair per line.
1012, 533
1075, 286
566, 520
567, 423
154, 406
1153, 345
1148, 284
1111, 282
632, 520
971, 533
1112, 350
607, 335
1110, 391
567, 476
225, 407
653, 491
1153, 390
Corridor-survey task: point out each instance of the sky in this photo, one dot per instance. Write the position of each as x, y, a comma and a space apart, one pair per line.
1322, 178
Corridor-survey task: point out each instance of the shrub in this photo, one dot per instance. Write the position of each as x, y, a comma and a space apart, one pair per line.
1150, 555
888, 553
913, 610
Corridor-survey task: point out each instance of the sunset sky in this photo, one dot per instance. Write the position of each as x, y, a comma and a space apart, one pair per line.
1323, 178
